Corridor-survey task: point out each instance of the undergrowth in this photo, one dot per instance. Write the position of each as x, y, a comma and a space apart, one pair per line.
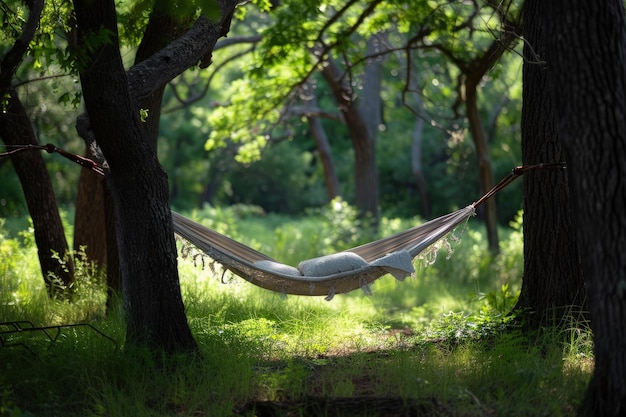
445, 334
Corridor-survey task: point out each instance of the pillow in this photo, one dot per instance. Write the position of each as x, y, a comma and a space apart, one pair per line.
277, 268
399, 264
331, 264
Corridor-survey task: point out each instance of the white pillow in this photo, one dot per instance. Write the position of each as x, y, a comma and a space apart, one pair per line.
277, 268
331, 264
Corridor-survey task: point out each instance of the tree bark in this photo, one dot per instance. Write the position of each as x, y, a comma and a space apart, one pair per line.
94, 226
93, 222
155, 313
90, 217
552, 286
586, 53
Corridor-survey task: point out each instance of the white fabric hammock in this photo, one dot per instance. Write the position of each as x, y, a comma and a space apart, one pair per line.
327, 275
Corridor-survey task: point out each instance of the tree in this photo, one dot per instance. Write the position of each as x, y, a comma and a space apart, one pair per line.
552, 285
94, 221
474, 67
361, 116
16, 129
115, 133
153, 304
321, 140
586, 56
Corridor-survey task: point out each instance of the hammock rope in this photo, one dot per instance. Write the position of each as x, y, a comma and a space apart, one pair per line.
326, 275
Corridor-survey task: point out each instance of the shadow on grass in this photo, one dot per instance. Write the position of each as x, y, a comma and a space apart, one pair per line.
512, 373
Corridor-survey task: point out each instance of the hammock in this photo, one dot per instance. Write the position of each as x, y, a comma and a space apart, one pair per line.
341, 272
327, 275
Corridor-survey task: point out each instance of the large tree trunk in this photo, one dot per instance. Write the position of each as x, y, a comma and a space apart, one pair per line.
586, 53
94, 227
153, 303
16, 129
553, 285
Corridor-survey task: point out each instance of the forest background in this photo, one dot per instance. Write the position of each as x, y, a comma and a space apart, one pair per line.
425, 157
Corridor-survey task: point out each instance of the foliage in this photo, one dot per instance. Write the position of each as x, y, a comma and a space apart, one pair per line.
241, 107
257, 109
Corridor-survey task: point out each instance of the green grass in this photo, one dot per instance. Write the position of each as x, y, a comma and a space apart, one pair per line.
441, 337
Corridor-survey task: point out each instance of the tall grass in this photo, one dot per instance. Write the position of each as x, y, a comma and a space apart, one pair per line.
442, 334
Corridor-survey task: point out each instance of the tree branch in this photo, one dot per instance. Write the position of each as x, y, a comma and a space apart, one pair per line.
313, 112
198, 96
12, 59
184, 52
236, 40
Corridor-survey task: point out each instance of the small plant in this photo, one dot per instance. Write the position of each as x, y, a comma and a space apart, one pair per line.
498, 302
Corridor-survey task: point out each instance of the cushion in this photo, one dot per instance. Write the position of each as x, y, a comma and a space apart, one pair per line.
331, 264
277, 268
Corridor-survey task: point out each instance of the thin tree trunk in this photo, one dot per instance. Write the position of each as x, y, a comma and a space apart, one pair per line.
485, 170
326, 156
94, 226
16, 129
473, 72
417, 166
323, 147
90, 217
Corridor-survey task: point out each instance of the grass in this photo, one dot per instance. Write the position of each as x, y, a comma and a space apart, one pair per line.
441, 339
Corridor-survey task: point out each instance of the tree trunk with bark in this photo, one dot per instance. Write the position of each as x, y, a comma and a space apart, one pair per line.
16, 129
94, 224
586, 53
553, 286
321, 143
153, 303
